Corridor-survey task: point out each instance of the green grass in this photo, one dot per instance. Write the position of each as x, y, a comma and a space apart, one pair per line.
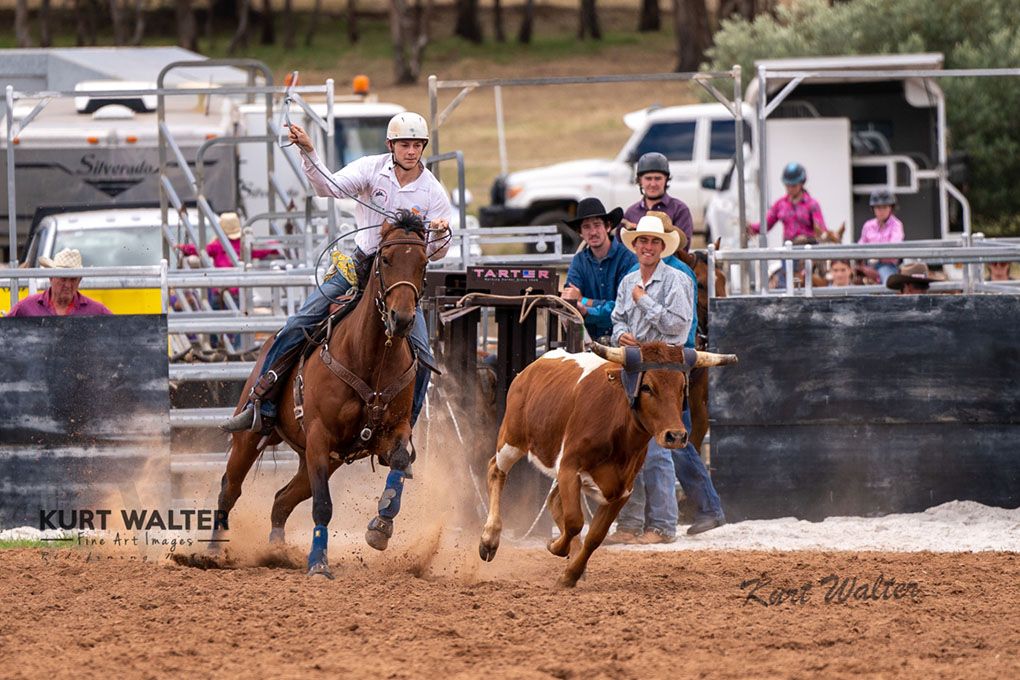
31, 543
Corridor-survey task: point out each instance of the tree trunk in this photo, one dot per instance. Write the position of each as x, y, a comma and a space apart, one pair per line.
139, 33
497, 21
314, 24
289, 25
527, 23
240, 38
589, 24
352, 22
21, 29
468, 26
690, 21
79, 24
745, 9
45, 37
407, 25
650, 20
187, 36
268, 36
117, 21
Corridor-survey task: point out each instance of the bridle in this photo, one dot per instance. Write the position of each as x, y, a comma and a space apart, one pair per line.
384, 290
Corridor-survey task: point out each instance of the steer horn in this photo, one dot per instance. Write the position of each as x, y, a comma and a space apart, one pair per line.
614, 354
713, 359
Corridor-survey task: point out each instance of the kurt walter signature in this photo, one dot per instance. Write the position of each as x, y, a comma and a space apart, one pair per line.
837, 589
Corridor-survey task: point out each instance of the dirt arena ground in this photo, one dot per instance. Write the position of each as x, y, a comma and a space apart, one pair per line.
433, 609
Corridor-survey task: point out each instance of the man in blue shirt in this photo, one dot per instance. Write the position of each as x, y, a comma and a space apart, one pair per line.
595, 272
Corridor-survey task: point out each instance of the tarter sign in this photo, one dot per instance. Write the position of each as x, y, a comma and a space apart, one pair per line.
512, 280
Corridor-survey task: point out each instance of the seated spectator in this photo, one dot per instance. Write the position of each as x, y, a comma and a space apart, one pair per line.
884, 228
231, 225
841, 273
912, 279
999, 271
62, 297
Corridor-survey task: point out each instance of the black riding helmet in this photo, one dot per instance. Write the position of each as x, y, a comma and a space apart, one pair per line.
653, 161
881, 197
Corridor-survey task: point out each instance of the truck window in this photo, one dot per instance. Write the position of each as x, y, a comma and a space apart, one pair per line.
674, 140
722, 143
358, 137
114, 247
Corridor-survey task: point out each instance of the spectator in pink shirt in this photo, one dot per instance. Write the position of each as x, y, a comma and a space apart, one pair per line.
62, 297
798, 211
884, 228
231, 225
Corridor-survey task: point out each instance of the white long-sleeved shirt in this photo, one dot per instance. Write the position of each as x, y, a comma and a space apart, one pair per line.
665, 313
373, 180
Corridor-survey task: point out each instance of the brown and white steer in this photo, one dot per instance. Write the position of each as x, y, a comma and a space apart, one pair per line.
571, 416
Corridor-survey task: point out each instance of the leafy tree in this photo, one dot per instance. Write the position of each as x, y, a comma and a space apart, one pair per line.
982, 112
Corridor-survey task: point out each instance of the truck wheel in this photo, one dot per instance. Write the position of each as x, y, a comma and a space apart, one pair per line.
570, 238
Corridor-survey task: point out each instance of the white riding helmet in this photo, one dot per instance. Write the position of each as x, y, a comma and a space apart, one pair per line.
407, 125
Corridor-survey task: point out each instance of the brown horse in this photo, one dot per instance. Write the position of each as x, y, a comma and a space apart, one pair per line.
358, 391
698, 383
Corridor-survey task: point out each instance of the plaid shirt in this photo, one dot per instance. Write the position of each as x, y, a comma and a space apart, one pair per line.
665, 313
798, 218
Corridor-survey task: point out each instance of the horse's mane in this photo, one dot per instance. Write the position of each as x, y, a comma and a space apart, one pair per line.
409, 221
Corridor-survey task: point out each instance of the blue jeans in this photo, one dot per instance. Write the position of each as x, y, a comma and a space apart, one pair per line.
652, 503
885, 270
315, 309
694, 478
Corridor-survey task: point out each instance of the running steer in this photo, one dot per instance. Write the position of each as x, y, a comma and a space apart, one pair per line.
586, 420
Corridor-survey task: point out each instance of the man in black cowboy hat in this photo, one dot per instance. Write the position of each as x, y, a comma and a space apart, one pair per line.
912, 279
596, 271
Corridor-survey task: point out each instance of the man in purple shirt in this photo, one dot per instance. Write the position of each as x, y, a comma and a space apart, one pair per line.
62, 297
653, 179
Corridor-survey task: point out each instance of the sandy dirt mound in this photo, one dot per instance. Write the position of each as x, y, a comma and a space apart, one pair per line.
423, 610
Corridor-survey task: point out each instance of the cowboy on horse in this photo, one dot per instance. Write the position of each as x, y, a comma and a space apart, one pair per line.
395, 186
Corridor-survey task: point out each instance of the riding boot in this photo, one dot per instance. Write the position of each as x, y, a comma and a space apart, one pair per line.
252, 416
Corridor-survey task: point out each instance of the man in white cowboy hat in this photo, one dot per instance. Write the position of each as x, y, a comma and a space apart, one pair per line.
62, 297
654, 303
596, 271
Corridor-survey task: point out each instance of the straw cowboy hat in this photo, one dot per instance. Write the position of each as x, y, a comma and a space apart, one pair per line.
592, 207
915, 272
667, 224
231, 224
65, 259
650, 225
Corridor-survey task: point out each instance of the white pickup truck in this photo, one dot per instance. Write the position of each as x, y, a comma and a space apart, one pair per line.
698, 140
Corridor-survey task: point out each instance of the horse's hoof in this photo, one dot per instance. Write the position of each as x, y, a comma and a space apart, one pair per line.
487, 552
379, 532
276, 536
561, 551
320, 569
566, 581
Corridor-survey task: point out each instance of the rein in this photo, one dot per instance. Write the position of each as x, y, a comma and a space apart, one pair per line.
377, 400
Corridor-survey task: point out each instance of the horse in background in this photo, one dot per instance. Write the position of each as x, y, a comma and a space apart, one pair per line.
698, 382
357, 392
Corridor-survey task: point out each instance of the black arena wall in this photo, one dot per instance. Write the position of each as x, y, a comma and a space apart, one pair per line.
865, 405
84, 413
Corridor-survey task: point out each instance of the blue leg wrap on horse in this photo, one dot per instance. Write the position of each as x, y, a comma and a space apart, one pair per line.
319, 538
389, 502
